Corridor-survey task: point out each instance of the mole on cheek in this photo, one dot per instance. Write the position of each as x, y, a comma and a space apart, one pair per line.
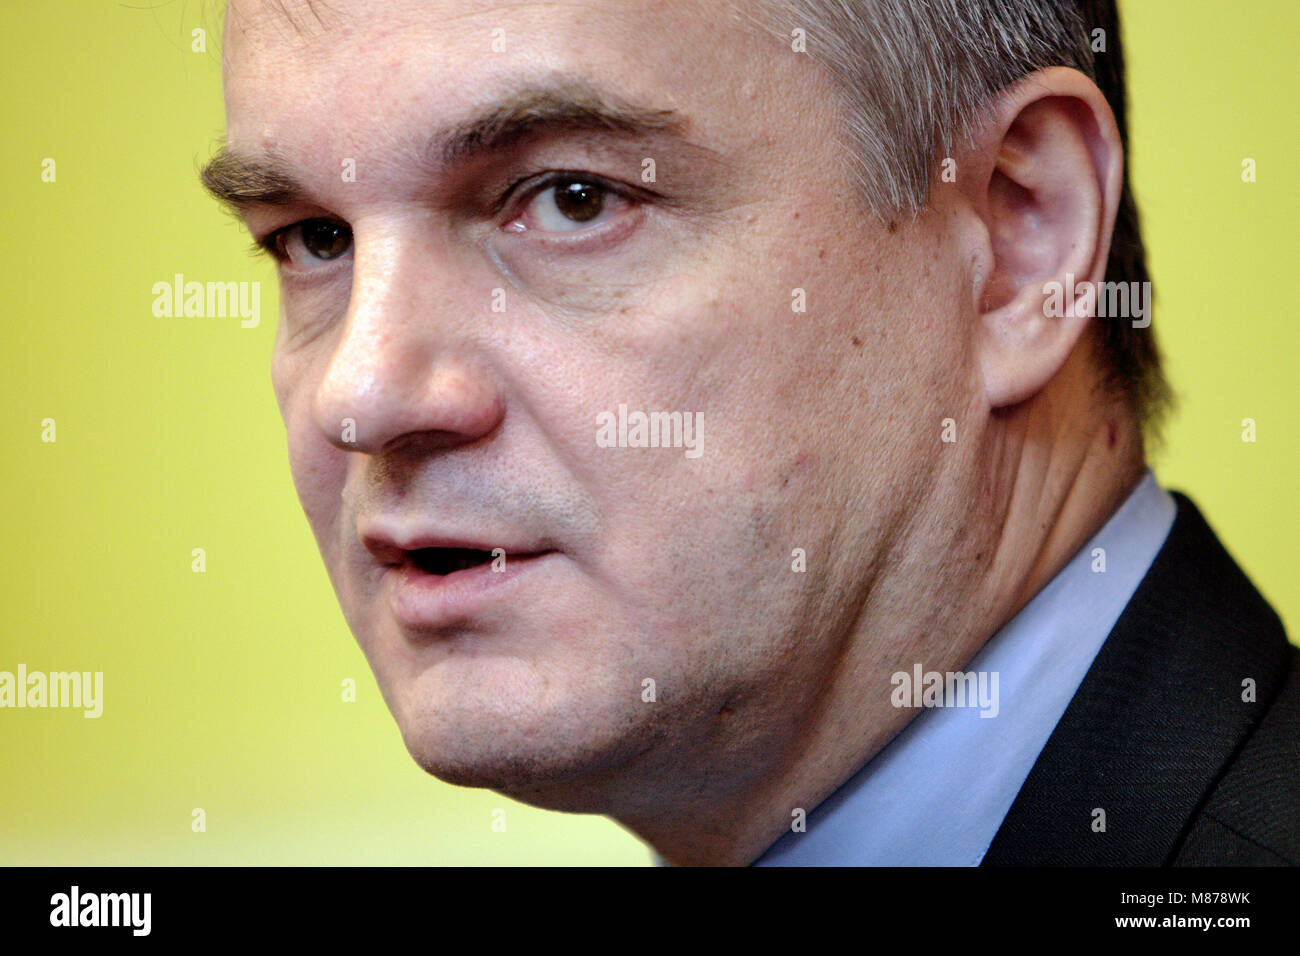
800, 457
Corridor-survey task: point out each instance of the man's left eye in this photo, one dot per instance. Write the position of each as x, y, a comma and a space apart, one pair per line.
309, 244
569, 205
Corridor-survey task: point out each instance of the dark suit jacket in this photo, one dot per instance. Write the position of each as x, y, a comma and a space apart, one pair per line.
1158, 735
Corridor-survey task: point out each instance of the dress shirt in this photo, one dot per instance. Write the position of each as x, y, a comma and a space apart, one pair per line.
938, 792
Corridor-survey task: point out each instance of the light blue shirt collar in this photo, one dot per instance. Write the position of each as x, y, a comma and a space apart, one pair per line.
939, 791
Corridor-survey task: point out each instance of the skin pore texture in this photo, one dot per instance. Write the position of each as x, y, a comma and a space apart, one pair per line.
822, 428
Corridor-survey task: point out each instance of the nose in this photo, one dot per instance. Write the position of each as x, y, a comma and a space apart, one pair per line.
406, 361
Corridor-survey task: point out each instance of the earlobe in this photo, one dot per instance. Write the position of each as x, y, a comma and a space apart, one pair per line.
1053, 166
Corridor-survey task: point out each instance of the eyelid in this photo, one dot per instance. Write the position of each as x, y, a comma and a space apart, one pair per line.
525, 190
268, 243
514, 200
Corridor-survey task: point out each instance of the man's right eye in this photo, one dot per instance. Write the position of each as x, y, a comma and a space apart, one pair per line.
311, 243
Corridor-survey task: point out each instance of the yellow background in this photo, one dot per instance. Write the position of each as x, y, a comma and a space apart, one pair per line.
222, 689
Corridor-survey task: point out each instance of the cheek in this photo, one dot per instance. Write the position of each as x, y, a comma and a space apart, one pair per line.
686, 539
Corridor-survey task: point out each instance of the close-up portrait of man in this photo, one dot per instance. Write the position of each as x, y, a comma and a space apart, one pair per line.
648, 434
728, 418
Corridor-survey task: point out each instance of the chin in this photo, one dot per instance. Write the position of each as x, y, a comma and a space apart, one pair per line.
553, 760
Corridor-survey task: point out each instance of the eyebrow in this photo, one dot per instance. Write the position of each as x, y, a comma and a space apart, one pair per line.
242, 181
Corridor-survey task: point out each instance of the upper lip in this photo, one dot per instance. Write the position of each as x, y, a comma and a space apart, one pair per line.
389, 541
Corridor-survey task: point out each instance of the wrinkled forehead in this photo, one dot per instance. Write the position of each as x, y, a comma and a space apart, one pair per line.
253, 25
316, 44
319, 28
336, 74
268, 20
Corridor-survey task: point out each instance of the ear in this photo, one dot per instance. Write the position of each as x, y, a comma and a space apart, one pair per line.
1045, 178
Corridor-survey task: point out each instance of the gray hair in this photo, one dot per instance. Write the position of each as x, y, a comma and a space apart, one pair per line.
917, 75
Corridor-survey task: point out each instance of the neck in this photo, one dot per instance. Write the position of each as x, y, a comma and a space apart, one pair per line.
1000, 523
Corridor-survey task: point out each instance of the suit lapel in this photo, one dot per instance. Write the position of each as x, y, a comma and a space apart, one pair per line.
1157, 717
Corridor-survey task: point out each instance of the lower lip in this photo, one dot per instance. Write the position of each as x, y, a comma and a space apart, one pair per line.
423, 601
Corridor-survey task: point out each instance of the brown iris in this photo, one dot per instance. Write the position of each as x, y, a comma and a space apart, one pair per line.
579, 201
325, 239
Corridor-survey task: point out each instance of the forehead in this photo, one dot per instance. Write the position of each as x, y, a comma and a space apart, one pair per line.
268, 21
366, 45
344, 72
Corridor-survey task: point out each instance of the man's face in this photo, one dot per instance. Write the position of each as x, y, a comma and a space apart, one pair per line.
442, 376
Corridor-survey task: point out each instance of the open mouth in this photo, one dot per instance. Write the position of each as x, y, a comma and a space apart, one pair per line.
435, 588
443, 561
